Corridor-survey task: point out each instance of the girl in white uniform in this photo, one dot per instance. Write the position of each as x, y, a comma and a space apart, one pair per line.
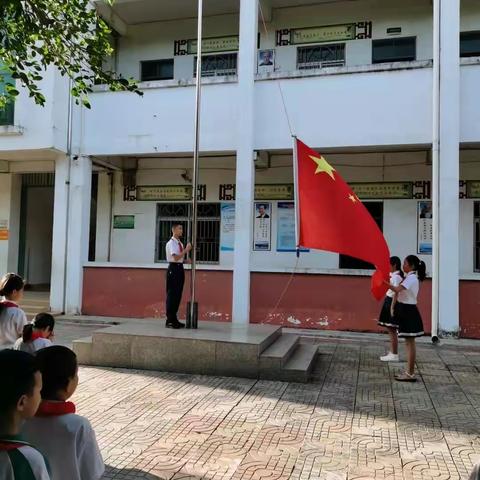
387, 318
37, 335
12, 317
19, 400
406, 312
66, 439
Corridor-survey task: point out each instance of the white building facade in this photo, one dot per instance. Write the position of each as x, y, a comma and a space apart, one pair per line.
385, 90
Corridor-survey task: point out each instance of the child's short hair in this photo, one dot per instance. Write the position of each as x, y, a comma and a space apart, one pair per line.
18, 377
58, 365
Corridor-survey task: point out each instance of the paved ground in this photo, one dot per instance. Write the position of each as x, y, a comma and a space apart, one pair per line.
352, 422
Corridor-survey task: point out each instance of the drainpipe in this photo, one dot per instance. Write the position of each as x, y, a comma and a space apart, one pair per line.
67, 183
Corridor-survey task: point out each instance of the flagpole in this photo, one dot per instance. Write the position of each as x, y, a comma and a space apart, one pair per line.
295, 193
192, 314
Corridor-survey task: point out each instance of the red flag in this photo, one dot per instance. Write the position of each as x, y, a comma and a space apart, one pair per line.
331, 217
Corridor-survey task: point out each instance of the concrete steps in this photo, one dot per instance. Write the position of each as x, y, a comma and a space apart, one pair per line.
251, 351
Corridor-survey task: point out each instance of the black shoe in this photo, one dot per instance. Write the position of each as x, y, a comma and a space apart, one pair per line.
175, 326
180, 325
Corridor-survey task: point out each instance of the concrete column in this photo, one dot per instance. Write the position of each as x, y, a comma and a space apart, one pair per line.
245, 174
445, 160
5, 198
59, 237
78, 231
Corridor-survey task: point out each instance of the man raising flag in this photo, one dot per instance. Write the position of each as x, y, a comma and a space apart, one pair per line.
331, 217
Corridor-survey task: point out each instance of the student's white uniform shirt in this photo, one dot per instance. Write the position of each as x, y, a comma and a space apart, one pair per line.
12, 321
412, 286
174, 247
69, 443
22, 459
395, 280
32, 347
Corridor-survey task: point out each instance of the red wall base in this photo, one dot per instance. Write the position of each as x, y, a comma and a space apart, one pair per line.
323, 302
140, 292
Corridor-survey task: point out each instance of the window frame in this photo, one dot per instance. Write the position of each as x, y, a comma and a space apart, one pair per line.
186, 220
157, 61
394, 39
462, 36
205, 74
326, 64
7, 113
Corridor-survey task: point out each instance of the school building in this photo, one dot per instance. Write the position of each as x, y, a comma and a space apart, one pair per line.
386, 90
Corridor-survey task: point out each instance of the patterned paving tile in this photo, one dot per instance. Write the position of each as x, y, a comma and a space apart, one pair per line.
353, 422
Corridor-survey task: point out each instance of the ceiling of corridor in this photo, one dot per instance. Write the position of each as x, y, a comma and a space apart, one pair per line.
141, 11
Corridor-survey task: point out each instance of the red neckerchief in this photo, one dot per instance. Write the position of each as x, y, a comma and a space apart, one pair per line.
7, 445
49, 408
8, 304
35, 336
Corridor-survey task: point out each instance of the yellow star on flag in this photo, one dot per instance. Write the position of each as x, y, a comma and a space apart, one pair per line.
353, 198
323, 166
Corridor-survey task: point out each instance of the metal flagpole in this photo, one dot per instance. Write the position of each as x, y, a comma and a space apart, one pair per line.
295, 190
192, 309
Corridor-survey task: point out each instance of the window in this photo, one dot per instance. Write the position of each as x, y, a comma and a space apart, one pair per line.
376, 211
400, 49
208, 229
156, 70
476, 240
217, 65
320, 56
6, 113
470, 44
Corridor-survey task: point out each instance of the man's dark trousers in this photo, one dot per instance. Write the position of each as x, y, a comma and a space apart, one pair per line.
175, 282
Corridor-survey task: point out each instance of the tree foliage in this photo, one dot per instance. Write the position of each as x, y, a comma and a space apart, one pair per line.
68, 34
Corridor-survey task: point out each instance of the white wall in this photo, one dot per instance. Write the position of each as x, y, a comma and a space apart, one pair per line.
5, 196
41, 127
400, 222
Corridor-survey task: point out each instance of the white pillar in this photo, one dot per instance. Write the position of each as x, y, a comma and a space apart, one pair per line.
78, 231
445, 159
59, 236
245, 175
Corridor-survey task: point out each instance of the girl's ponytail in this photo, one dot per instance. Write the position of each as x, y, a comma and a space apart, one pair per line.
421, 270
27, 332
9, 283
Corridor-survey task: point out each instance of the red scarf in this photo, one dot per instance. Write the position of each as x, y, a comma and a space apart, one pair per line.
7, 445
8, 304
35, 336
49, 408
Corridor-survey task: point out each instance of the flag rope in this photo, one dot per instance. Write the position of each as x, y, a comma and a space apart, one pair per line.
282, 96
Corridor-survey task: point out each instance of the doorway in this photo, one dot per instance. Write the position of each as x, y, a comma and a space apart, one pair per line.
36, 229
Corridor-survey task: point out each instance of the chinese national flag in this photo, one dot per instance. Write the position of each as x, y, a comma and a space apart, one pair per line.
332, 218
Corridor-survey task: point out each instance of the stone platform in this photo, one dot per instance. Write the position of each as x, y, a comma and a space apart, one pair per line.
250, 351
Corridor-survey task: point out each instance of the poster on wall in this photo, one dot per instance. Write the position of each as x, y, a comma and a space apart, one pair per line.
228, 227
262, 226
425, 228
266, 61
3, 229
286, 241
124, 222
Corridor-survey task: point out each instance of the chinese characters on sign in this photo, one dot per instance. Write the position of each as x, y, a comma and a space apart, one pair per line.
425, 228
124, 222
473, 189
228, 227
390, 190
209, 45
262, 227
150, 193
327, 33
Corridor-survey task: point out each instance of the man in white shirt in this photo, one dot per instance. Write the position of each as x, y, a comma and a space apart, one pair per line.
176, 254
